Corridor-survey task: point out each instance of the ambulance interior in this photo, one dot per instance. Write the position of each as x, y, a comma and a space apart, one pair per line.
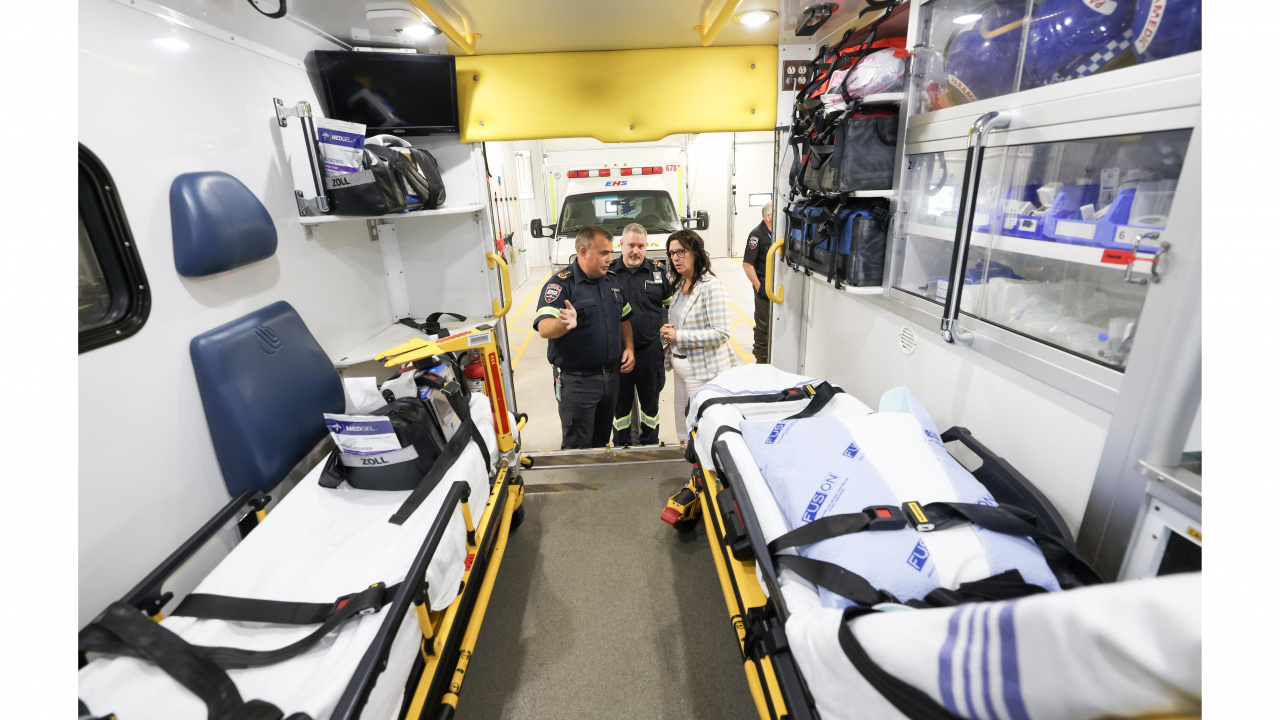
984, 296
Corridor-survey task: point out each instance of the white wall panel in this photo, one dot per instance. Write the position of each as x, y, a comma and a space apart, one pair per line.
710, 155
1050, 437
148, 476
444, 264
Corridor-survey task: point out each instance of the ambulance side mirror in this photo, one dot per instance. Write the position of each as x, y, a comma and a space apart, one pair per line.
536, 229
700, 221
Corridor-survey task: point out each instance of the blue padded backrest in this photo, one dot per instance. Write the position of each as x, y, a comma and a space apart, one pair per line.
265, 383
218, 224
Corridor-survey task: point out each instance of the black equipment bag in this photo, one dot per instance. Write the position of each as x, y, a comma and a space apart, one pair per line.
859, 236
377, 189
865, 145
430, 171
421, 441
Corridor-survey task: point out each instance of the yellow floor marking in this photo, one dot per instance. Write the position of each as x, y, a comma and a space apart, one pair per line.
747, 358
745, 316
519, 353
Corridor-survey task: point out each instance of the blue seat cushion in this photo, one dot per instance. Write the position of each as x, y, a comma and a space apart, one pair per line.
218, 224
265, 384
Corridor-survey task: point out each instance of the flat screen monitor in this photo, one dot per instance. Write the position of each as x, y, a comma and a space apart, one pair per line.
400, 93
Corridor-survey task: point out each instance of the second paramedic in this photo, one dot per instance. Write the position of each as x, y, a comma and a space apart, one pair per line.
646, 286
585, 316
753, 258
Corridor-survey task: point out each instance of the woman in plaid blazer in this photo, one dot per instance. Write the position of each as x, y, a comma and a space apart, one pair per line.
698, 336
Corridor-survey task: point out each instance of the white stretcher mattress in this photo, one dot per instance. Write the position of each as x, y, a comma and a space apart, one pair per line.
316, 545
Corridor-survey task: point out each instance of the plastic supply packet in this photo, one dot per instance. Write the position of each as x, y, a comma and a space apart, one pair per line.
341, 146
362, 434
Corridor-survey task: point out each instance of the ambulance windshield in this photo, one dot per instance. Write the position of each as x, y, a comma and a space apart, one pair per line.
615, 210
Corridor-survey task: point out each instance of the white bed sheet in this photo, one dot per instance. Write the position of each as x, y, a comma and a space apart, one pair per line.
318, 544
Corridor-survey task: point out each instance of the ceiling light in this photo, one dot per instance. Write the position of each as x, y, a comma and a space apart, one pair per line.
172, 44
966, 19
420, 30
755, 17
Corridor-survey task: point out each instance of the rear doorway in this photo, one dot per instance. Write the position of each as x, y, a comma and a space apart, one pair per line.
529, 181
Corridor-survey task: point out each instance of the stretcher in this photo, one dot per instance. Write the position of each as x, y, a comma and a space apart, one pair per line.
817, 644
324, 609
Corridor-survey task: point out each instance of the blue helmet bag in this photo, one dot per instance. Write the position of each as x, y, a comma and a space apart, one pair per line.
1075, 38
1164, 28
981, 60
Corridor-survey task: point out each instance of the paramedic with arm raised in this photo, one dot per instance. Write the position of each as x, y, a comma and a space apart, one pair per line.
698, 333
586, 319
753, 260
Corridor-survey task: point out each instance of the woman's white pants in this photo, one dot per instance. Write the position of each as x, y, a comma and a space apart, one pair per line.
686, 386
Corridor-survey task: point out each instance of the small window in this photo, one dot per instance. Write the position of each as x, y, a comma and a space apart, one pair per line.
114, 298
524, 175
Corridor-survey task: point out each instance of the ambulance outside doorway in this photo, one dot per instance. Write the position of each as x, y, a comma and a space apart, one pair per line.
615, 197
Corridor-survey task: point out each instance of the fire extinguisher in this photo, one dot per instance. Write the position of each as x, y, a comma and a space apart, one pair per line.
474, 373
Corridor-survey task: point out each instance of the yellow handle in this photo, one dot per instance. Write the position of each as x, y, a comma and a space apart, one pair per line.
500, 309
768, 272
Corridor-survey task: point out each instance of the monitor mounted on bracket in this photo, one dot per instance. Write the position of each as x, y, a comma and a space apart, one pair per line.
397, 93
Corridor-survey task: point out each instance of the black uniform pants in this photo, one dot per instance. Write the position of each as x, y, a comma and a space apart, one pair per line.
646, 379
586, 408
764, 311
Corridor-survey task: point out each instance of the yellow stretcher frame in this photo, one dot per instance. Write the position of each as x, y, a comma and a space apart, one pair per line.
742, 593
450, 635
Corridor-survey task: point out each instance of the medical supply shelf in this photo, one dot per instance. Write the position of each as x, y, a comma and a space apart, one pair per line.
446, 210
889, 98
852, 290
1047, 249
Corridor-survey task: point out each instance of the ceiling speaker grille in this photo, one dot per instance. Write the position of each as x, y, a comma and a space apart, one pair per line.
907, 340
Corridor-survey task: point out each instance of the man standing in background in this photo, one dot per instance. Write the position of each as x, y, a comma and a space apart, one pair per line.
644, 283
758, 243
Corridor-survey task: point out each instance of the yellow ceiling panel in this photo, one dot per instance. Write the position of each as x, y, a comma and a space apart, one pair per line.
617, 96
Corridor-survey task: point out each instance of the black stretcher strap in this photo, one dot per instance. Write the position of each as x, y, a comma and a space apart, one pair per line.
845, 583
452, 451
100, 638
852, 586
818, 395
908, 699
277, 612
824, 528
121, 626
1013, 520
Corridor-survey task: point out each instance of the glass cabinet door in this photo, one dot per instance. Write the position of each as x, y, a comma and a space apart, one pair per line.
978, 49
1065, 235
931, 201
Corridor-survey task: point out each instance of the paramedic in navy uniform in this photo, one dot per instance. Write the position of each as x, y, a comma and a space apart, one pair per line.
646, 286
758, 243
586, 319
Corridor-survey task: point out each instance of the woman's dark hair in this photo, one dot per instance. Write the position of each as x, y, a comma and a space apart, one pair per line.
690, 241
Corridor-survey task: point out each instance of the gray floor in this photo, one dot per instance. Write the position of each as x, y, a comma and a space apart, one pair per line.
601, 610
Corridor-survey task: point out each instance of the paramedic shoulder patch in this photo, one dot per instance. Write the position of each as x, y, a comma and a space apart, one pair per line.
753, 242
552, 292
